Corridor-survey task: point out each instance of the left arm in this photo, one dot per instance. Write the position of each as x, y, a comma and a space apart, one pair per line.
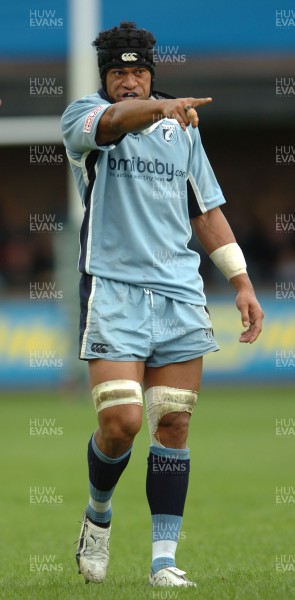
214, 232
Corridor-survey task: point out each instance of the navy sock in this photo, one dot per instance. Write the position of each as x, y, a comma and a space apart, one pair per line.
167, 480
166, 489
104, 473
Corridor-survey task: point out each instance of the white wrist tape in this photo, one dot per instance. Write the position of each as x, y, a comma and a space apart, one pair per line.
230, 260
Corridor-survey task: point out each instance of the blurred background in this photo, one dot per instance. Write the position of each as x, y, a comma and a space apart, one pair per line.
241, 54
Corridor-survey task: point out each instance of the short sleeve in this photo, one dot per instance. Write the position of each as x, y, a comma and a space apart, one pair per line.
79, 124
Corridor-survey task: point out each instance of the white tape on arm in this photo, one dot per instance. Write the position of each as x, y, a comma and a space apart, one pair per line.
230, 260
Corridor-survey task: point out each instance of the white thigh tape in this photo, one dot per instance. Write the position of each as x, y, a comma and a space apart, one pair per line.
230, 260
162, 400
118, 391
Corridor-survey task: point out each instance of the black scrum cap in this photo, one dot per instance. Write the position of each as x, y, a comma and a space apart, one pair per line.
125, 46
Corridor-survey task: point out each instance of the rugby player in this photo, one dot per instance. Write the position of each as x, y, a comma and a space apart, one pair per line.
144, 180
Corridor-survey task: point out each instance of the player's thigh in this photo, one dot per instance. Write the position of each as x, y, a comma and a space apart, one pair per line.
101, 370
185, 375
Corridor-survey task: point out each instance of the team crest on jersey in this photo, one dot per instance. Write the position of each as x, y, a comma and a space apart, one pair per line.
169, 133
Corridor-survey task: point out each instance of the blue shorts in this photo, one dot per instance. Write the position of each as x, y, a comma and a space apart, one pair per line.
122, 322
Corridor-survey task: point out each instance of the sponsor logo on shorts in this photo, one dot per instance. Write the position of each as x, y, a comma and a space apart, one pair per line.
209, 334
90, 118
100, 348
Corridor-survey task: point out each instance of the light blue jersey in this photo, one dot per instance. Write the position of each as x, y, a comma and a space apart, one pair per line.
139, 195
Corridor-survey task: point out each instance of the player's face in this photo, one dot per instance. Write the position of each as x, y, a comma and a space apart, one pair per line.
127, 83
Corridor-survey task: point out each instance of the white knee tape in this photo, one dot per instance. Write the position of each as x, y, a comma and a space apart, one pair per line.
161, 400
118, 391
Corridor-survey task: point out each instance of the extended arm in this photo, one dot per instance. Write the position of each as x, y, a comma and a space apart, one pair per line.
214, 232
136, 115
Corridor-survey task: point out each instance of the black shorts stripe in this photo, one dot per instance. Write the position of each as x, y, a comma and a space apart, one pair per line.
85, 291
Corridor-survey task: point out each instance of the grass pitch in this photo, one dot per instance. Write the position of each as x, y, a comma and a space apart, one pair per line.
237, 541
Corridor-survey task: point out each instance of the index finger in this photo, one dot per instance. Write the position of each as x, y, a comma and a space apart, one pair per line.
200, 101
